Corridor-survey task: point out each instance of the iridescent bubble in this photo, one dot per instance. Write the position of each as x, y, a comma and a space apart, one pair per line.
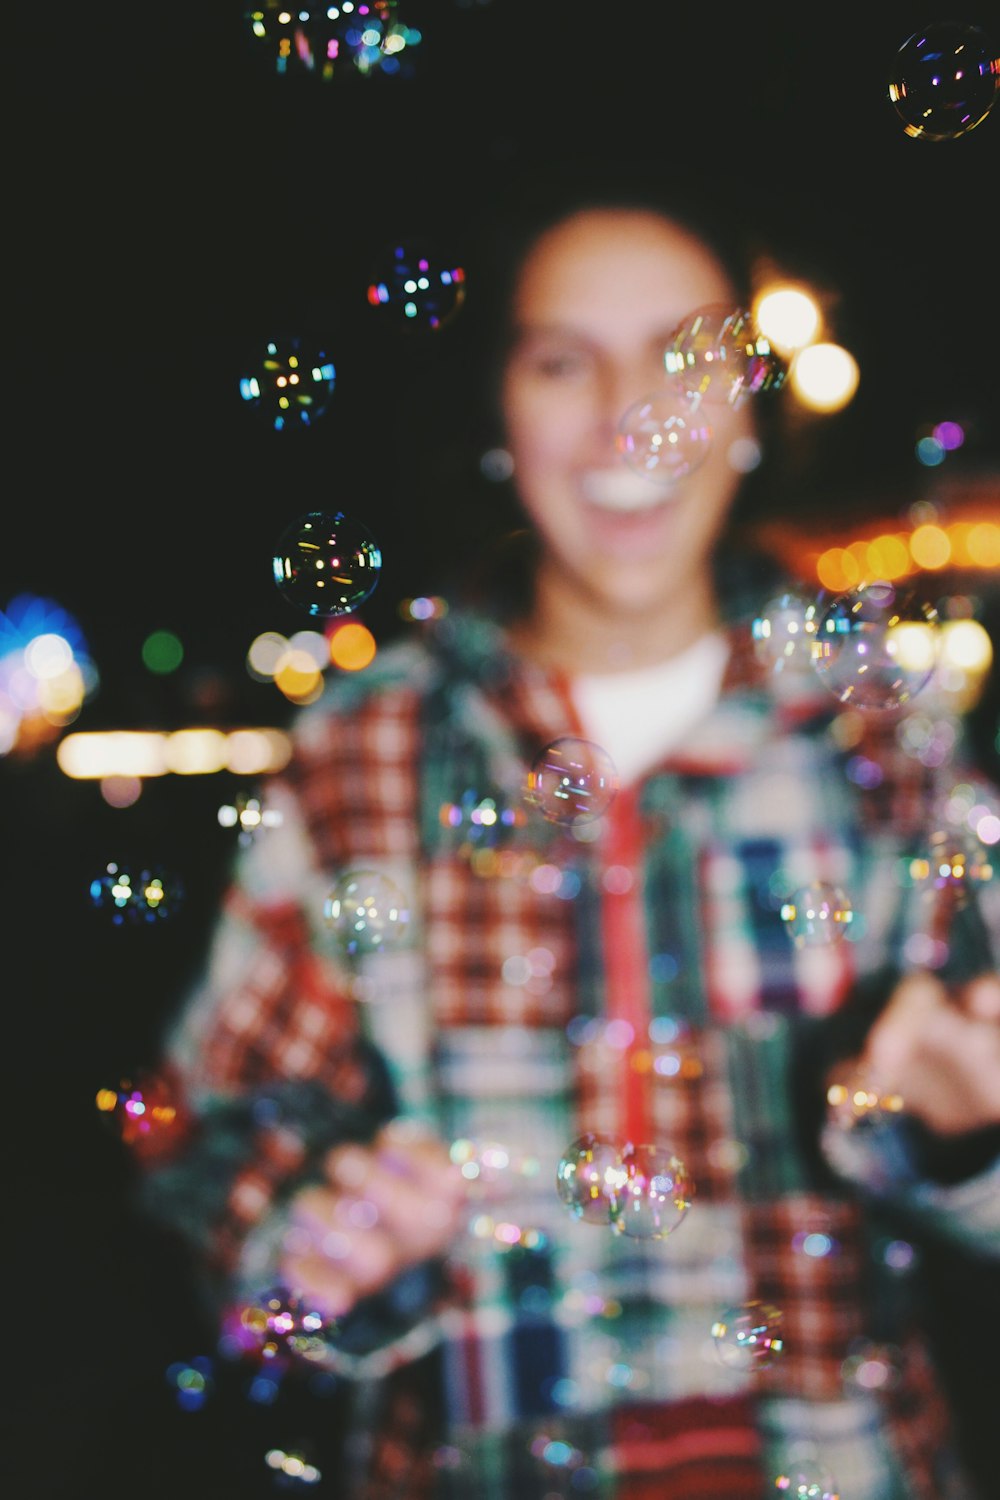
718, 354
954, 861
817, 915
248, 814
289, 382
876, 646
661, 437
860, 1100
571, 781
142, 1108
414, 287
944, 81
783, 631
748, 1337
367, 911
326, 564
136, 895
589, 1176
284, 1321
807, 1479
655, 1194
480, 820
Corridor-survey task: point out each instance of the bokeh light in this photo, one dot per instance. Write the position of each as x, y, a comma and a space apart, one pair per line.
824, 377
162, 652
787, 316
944, 80
142, 1108
46, 672
249, 816
362, 38
367, 912
806, 1479
290, 383
571, 781
351, 646
326, 563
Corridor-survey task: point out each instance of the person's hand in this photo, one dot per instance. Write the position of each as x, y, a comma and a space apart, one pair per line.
384, 1207
934, 1053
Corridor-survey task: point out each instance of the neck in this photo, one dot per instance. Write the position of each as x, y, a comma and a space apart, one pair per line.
573, 632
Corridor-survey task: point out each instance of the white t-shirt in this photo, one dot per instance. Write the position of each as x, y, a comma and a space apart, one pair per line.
638, 716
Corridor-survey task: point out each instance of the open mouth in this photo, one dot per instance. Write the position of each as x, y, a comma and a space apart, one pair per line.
623, 491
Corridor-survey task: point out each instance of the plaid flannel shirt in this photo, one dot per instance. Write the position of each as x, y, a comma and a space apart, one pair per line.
634, 978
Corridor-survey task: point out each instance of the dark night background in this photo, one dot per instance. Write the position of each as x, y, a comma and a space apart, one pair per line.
169, 197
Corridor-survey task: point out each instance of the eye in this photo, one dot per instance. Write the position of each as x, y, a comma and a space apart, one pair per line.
556, 364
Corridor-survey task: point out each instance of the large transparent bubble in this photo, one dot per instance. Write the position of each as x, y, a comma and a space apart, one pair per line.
662, 438
571, 781
944, 80
326, 563
718, 354
876, 646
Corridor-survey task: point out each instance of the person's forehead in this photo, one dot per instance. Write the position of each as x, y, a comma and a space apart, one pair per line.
612, 264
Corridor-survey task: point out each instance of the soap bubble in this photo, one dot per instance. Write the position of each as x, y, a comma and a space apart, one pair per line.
817, 915
953, 861
783, 631
661, 438
571, 781
136, 895
654, 1195
718, 354
944, 81
876, 646
289, 382
415, 287
247, 813
807, 1479
367, 911
748, 1337
283, 1321
326, 564
860, 1100
588, 1177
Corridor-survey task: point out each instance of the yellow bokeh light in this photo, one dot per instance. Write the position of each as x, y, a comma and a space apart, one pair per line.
930, 547
788, 316
824, 377
352, 647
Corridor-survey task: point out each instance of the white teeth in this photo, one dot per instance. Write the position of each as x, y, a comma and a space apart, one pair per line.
618, 489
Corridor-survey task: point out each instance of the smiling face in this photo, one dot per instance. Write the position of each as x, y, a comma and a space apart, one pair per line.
625, 571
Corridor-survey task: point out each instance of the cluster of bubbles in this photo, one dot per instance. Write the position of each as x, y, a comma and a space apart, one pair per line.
642, 1191
806, 1478
141, 1108
817, 915
326, 564
367, 912
873, 647
571, 781
954, 861
247, 813
283, 1322
362, 37
860, 1101
716, 356
944, 81
135, 896
476, 822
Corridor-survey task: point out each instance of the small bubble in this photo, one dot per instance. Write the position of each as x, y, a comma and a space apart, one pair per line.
367, 912
748, 1337
571, 781
817, 915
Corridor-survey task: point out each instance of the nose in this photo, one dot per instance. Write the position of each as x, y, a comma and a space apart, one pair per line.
624, 384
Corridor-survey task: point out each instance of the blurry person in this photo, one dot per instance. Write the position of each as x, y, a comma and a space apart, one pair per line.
393, 1096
